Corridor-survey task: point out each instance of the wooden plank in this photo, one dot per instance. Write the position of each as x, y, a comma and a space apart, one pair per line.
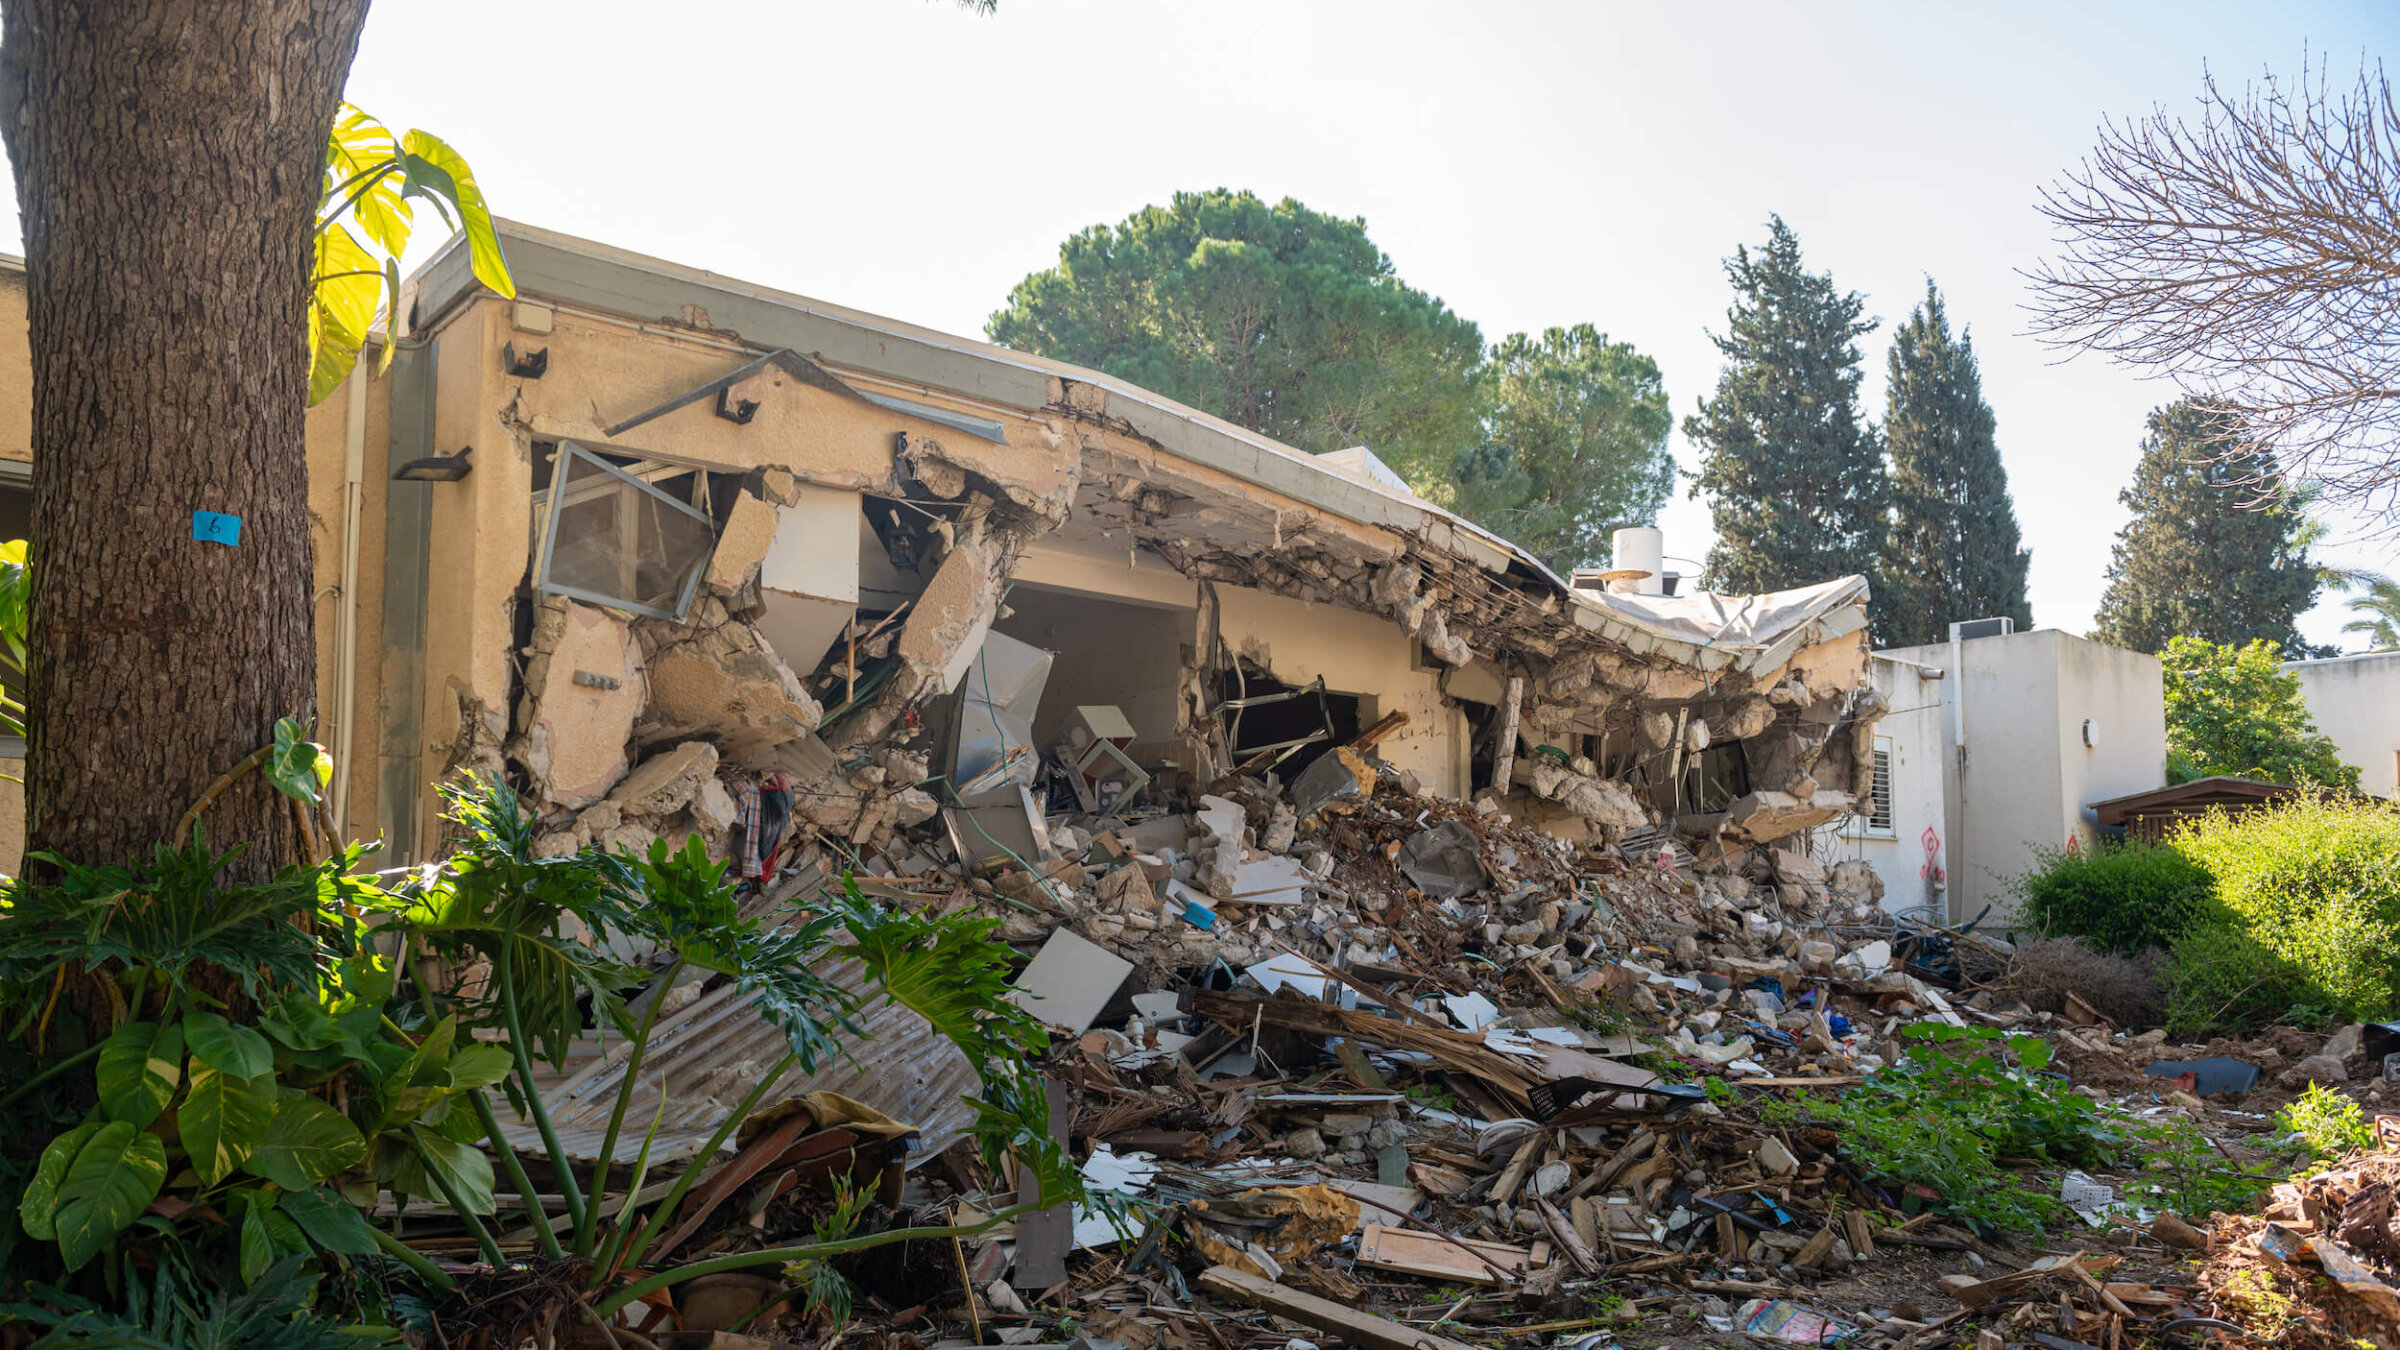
1504, 751
1439, 1258
1862, 1237
1357, 1328
1569, 1241
1527, 1153
2354, 1276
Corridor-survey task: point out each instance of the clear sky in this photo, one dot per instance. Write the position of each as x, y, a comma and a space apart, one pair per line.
1531, 164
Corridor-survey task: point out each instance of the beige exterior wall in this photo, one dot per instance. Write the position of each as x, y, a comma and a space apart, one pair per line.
2356, 701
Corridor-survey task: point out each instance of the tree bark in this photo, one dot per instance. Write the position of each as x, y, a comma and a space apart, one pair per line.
168, 156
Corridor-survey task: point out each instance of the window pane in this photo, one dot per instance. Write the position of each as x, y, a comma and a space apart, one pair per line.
623, 540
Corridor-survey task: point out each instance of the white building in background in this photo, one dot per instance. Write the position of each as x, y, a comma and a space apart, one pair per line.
2356, 701
1996, 746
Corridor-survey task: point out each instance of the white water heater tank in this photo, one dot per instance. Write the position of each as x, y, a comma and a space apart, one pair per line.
1640, 549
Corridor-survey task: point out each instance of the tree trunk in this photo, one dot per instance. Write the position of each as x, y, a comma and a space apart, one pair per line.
168, 156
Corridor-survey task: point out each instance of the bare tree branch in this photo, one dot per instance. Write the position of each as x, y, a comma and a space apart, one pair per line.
2253, 254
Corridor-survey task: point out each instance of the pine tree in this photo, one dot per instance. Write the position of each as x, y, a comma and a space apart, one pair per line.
1795, 479
2213, 550
1954, 550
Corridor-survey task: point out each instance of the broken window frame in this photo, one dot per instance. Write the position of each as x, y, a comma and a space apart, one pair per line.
547, 507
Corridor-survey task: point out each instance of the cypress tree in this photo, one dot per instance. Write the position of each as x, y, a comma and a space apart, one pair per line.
2214, 550
1795, 479
1954, 550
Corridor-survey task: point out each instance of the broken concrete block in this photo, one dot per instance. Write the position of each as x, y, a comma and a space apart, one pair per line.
1762, 817
1127, 888
1656, 727
725, 683
713, 809
585, 688
2320, 1069
742, 544
1598, 800
2346, 1044
1797, 868
1853, 881
1774, 1159
1746, 719
1282, 823
913, 806
1222, 818
665, 783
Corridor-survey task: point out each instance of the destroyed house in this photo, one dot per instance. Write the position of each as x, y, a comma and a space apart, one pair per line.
681, 554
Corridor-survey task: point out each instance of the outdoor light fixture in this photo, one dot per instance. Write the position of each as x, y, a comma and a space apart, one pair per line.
436, 468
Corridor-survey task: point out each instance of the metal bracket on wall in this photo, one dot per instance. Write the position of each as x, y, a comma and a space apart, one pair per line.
735, 409
531, 366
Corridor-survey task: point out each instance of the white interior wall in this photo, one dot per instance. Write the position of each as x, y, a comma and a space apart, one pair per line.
1359, 654
1107, 652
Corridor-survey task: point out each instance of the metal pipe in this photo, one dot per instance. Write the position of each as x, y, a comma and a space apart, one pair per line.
345, 640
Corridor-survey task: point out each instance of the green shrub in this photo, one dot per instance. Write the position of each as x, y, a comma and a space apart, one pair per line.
2220, 977
2329, 1123
1960, 1100
2120, 898
2306, 909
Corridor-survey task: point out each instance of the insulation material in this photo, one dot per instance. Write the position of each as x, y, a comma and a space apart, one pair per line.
1740, 623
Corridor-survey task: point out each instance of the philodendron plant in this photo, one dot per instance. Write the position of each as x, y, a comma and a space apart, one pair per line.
542, 928
264, 1059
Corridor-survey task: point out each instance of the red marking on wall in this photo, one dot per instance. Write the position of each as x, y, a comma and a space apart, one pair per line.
1932, 870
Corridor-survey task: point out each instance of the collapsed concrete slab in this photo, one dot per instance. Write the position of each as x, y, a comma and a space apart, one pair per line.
584, 687
718, 678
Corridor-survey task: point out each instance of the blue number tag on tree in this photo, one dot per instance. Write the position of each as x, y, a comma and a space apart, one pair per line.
215, 527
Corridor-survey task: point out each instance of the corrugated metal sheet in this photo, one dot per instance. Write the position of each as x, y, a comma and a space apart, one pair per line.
704, 1059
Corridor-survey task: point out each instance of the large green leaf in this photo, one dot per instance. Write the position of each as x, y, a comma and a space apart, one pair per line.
462, 1168
222, 1119
480, 1066
330, 1221
438, 172
297, 766
306, 1142
257, 1245
16, 594
39, 1204
222, 1046
115, 1175
139, 1069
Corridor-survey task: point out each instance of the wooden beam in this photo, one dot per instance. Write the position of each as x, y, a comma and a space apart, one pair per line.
1357, 1328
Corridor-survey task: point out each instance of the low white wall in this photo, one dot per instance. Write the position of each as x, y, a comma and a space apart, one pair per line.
2356, 701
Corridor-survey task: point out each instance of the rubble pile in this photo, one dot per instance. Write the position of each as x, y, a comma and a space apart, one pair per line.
1363, 1046
2321, 1265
